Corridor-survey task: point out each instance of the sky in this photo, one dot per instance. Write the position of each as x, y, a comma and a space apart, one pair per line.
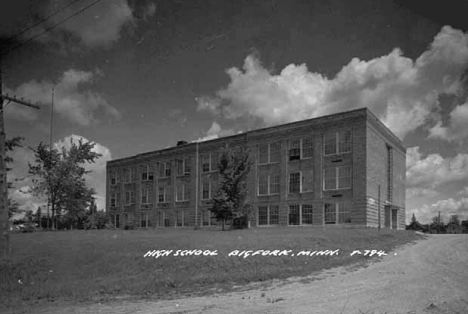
135, 76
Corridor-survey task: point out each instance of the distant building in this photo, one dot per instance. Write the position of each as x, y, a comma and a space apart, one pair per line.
335, 170
416, 226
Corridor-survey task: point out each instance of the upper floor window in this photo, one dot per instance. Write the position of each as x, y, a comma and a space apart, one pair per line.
128, 175
113, 177
268, 184
144, 195
183, 167
209, 162
164, 169
336, 178
182, 192
301, 148
129, 197
337, 142
301, 181
162, 195
268, 153
146, 173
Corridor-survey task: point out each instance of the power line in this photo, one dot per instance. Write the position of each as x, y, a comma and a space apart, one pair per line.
50, 28
42, 21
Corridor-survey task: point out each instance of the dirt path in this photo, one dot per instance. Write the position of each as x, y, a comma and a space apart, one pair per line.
430, 276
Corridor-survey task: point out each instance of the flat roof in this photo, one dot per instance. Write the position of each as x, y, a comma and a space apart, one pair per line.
344, 114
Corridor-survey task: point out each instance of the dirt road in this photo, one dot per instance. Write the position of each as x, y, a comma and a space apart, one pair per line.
430, 276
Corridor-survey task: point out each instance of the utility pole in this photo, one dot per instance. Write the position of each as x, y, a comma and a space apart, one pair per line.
4, 220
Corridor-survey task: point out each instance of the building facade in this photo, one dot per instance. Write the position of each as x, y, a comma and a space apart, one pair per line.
345, 169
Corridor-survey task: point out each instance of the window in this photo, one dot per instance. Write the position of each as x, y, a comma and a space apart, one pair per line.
294, 214
337, 142
179, 216
268, 153
164, 169
128, 175
205, 217
336, 178
205, 163
113, 177
146, 173
183, 167
263, 154
144, 220
337, 213
330, 213
274, 183
389, 173
117, 199
295, 149
162, 194
129, 197
182, 192
263, 184
307, 148
113, 199
275, 152
268, 215
294, 182
144, 195
117, 221
187, 166
206, 190
268, 184
307, 177
344, 213
306, 214
214, 162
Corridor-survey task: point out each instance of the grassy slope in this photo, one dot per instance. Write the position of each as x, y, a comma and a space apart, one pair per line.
96, 265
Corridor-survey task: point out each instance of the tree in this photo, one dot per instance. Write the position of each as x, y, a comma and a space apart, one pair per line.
413, 219
59, 175
437, 225
229, 201
453, 226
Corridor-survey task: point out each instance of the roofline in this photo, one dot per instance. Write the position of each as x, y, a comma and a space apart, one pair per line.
244, 134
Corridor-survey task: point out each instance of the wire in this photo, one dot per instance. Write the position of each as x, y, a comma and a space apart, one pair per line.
42, 21
50, 28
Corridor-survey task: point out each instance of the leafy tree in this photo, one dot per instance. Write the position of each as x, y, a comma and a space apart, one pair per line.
59, 175
413, 219
229, 201
437, 225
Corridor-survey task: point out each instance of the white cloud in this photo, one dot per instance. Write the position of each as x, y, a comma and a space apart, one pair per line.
70, 99
434, 170
447, 208
400, 91
97, 177
457, 128
215, 131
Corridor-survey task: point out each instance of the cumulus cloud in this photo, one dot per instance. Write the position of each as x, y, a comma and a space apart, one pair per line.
419, 192
434, 170
447, 208
400, 91
70, 99
97, 177
215, 131
457, 127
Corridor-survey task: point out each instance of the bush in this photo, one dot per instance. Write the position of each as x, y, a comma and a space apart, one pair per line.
240, 223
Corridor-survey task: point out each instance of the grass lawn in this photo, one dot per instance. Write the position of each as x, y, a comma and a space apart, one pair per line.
106, 264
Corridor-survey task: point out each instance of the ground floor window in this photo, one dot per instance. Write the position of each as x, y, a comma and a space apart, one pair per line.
337, 213
179, 218
205, 218
144, 220
268, 215
117, 221
300, 214
160, 219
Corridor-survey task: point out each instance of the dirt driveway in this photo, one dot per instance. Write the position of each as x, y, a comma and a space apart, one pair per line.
430, 276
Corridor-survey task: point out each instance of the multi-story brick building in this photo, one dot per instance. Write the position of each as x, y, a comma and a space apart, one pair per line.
345, 169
